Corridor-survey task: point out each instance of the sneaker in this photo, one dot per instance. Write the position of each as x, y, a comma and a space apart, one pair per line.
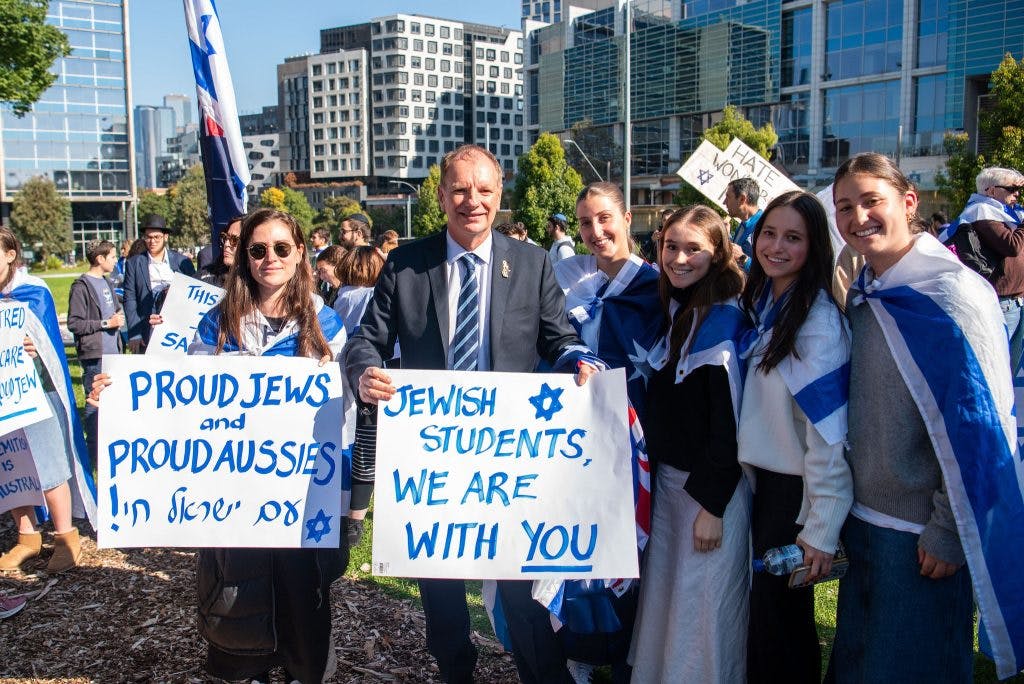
582, 673
353, 531
11, 605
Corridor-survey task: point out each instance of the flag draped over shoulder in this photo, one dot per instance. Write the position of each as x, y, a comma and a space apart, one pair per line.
944, 328
41, 325
220, 138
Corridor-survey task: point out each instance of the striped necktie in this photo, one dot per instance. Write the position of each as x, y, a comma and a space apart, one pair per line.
466, 341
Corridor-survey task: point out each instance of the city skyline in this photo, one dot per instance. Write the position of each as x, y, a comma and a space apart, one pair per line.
159, 46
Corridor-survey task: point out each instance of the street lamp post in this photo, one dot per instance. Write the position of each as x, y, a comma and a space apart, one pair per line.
408, 205
570, 141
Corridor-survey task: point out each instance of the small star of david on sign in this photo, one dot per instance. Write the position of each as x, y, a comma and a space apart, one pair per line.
318, 526
547, 402
705, 177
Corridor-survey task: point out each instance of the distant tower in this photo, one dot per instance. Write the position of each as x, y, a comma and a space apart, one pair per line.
182, 106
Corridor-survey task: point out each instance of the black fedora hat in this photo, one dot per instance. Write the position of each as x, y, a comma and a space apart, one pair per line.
156, 222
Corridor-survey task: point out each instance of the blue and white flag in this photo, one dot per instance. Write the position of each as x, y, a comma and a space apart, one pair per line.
818, 374
980, 208
41, 325
220, 137
943, 325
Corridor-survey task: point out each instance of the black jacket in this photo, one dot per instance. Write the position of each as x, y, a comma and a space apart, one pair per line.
84, 319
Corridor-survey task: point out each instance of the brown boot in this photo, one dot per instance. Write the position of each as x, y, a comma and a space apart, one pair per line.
66, 552
28, 546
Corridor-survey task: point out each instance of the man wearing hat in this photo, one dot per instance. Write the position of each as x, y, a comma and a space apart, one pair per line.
354, 232
147, 277
562, 245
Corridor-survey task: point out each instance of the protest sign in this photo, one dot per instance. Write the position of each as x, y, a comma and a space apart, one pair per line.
22, 400
221, 451
187, 302
504, 476
19, 482
710, 170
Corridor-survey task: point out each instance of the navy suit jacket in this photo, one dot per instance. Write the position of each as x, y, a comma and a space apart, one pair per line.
410, 304
138, 292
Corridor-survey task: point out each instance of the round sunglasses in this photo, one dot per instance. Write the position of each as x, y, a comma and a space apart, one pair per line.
229, 240
258, 250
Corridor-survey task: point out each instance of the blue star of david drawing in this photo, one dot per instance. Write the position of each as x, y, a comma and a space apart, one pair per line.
549, 398
641, 366
318, 526
705, 177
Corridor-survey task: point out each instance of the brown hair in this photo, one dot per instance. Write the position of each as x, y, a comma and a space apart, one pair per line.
879, 166
332, 254
604, 189
360, 267
241, 294
724, 278
387, 241
9, 242
97, 249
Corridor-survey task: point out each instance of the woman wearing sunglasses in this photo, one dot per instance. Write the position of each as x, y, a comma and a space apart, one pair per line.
266, 608
216, 273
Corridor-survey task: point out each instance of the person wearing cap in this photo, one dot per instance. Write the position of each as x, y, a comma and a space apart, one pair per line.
562, 246
147, 277
354, 232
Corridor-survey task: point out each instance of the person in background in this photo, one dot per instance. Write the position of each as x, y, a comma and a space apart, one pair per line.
147, 276
694, 587
562, 246
126, 246
95, 317
741, 198
799, 367
932, 448
649, 251
516, 231
386, 241
216, 273
319, 240
58, 447
939, 223
354, 231
327, 272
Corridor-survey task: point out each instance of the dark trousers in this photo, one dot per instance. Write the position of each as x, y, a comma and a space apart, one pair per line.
782, 643
90, 369
537, 652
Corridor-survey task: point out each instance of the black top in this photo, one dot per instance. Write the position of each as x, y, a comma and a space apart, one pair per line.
690, 426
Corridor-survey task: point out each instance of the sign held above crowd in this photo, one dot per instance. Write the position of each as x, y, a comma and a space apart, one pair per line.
710, 170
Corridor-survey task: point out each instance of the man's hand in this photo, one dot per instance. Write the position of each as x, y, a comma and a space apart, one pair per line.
115, 321
933, 567
375, 386
583, 372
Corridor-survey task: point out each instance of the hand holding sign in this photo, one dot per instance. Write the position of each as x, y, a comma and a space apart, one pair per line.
187, 302
22, 400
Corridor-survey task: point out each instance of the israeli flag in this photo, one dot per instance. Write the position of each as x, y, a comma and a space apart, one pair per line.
220, 137
943, 325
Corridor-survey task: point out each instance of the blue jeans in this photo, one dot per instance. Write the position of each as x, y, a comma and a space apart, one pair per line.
1011, 307
892, 624
90, 369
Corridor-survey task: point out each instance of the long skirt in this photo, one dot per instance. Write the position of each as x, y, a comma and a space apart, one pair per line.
692, 621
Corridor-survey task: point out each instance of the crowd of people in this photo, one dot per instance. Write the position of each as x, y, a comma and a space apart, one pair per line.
780, 404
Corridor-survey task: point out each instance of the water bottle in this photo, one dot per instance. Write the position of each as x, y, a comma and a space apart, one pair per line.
780, 561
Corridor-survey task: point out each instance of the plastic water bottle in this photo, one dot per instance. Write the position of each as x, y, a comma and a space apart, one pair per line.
780, 561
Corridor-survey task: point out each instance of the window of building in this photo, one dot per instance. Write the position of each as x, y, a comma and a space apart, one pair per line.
428, 29
444, 31
417, 44
414, 27
860, 118
317, 69
864, 37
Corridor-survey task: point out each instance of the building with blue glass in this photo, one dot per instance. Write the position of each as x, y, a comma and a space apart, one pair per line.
78, 134
835, 77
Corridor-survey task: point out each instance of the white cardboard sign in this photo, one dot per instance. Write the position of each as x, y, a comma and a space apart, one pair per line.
221, 451
187, 302
504, 476
22, 400
710, 170
19, 482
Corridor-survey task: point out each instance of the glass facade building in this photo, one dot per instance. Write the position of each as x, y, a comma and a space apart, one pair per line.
77, 134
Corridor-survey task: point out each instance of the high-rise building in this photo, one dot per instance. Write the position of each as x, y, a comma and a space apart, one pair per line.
388, 98
549, 11
835, 77
262, 123
182, 106
154, 127
78, 133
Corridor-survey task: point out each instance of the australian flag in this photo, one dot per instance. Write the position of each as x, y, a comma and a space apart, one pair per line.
220, 138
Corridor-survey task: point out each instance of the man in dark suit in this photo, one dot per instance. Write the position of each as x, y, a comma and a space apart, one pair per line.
503, 291
147, 276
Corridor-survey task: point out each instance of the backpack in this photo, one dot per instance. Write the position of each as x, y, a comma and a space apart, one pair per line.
964, 242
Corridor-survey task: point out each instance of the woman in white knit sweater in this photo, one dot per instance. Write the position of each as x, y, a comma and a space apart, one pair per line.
792, 428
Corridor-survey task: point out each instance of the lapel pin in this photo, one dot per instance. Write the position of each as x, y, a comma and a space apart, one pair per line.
505, 269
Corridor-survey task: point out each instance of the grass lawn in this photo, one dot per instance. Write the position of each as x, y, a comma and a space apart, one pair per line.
60, 286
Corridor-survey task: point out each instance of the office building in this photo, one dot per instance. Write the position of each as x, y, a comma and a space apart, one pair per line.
182, 106
154, 127
78, 134
262, 152
261, 123
551, 11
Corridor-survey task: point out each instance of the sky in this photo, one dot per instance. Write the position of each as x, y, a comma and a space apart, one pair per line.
259, 34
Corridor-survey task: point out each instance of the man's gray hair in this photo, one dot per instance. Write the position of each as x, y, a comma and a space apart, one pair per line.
997, 175
747, 188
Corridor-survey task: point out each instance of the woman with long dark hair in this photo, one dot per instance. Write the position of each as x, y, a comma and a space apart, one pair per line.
792, 428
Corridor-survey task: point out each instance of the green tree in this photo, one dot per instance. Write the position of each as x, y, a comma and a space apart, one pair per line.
154, 203
189, 211
956, 183
336, 209
41, 217
732, 125
272, 198
28, 48
296, 204
545, 185
427, 217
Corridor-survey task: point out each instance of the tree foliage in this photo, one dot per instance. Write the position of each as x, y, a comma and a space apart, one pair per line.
546, 185
427, 217
41, 217
296, 204
28, 48
1002, 130
189, 211
272, 198
336, 209
154, 203
732, 125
